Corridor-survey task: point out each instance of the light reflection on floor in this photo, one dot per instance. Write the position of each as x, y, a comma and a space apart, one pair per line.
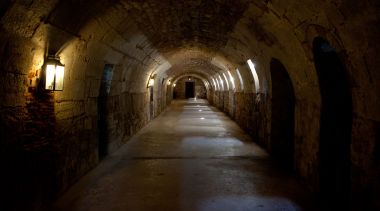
181, 162
240, 203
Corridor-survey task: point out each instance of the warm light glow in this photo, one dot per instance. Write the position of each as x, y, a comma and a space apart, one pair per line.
240, 79
54, 74
221, 82
50, 74
169, 82
174, 85
202, 118
217, 83
207, 84
225, 78
254, 74
213, 81
151, 82
59, 75
231, 80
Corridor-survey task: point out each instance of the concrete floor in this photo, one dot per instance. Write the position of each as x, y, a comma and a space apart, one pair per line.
192, 157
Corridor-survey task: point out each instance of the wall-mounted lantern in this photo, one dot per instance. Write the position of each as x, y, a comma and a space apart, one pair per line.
151, 81
54, 74
169, 82
174, 85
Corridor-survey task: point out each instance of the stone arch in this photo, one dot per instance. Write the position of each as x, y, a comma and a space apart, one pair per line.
282, 114
335, 124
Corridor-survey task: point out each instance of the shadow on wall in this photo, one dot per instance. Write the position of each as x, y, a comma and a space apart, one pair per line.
4, 5
335, 126
28, 160
282, 115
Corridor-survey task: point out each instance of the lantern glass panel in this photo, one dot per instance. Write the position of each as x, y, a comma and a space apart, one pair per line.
59, 73
151, 82
50, 72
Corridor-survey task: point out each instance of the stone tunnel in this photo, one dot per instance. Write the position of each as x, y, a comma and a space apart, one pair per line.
300, 79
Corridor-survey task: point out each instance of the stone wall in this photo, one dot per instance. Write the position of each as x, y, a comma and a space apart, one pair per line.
48, 140
27, 126
248, 110
252, 113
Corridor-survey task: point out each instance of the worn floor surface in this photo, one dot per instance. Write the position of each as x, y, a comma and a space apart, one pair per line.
192, 157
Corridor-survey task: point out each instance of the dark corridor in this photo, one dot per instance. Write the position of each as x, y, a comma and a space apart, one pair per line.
81, 80
190, 89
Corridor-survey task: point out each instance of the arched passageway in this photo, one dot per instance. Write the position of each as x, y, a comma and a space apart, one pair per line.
301, 106
335, 125
282, 113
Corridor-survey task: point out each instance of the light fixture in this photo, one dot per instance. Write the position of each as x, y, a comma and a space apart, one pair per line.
221, 83
217, 83
254, 74
54, 74
151, 81
174, 85
213, 80
189, 78
240, 79
231, 80
169, 82
225, 78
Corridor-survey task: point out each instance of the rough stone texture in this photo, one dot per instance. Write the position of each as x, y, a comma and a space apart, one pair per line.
170, 39
49, 140
249, 112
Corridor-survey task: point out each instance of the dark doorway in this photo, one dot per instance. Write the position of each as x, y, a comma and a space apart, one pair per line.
151, 102
283, 106
103, 128
335, 126
189, 89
